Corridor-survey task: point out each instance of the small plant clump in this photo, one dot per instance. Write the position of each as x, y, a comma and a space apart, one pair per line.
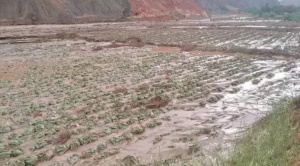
40, 145
16, 152
256, 81
157, 139
61, 149
212, 99
101, 147
202, 103
270, 75
31, 160
153, 123
194, 148
138, 130
130, 161
73, 159
87, 154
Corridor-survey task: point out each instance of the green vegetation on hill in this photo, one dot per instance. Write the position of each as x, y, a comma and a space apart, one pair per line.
288, 13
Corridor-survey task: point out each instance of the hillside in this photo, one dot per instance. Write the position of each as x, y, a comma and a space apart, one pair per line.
78, 11
61, 11
224, 6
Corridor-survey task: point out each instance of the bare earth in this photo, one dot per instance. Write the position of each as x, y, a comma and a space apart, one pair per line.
139, 92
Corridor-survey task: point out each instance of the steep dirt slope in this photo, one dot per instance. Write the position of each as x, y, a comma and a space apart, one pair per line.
149, 8
61, 11
223, 6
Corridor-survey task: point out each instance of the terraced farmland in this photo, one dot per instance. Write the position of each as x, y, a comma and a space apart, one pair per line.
77, 100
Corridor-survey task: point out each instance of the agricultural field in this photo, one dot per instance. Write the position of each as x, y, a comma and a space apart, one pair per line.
139, 92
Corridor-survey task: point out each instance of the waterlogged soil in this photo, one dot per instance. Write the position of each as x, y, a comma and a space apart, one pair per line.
72, 101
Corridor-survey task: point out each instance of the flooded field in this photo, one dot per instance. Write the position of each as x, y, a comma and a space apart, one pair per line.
139, 92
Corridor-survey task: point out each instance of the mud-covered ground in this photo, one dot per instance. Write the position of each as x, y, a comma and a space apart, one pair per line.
88, 95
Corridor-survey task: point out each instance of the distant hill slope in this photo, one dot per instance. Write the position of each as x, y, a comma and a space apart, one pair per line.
223, 6
147, 8
290, 2
61, 11
214, 6
243, 4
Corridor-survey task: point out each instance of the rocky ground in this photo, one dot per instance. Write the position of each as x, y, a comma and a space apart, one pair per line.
139, 92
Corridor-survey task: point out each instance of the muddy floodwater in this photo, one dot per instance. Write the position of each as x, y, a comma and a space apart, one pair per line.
140, 92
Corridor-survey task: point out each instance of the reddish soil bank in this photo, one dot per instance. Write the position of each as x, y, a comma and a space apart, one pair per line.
169, 8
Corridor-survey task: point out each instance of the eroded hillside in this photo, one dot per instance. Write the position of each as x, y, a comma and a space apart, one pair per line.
62, 11
78, 11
